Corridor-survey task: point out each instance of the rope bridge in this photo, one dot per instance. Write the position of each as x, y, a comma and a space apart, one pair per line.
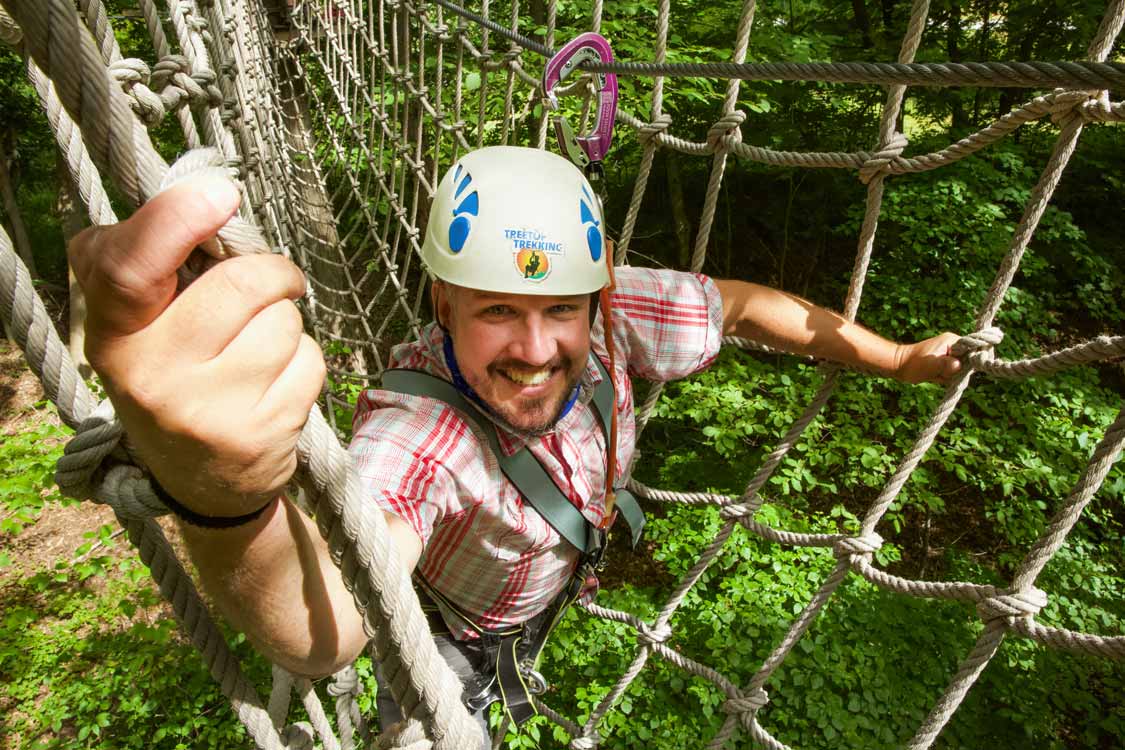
338, 117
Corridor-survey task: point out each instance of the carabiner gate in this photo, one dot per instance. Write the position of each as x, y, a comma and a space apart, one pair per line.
586, 151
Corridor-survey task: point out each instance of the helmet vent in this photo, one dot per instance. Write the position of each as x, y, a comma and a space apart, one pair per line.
461, 225
593, 233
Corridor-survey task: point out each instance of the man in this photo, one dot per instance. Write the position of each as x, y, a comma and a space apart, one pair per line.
213, 386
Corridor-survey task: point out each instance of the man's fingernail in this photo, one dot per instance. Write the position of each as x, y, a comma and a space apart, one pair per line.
220, 193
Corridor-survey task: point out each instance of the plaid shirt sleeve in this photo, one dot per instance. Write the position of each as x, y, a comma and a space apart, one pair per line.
408, 453
669, 324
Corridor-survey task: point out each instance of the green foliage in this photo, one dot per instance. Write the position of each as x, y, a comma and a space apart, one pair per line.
83, 669
27, 468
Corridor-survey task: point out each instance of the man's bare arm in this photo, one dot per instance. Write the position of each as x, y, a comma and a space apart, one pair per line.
273, 579
788, 322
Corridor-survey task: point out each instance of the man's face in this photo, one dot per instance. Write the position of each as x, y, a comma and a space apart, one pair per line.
522, 353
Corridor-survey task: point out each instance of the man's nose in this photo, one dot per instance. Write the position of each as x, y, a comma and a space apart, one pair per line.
536, 344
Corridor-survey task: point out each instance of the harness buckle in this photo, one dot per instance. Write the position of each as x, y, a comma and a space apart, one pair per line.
586, 151
480, 693
534, 680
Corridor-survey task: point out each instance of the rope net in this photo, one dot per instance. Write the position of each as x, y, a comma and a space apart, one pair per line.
338, 118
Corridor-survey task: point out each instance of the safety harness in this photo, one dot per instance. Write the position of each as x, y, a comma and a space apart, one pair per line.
515, 652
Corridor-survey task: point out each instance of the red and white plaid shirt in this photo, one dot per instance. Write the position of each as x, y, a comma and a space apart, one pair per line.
485, 549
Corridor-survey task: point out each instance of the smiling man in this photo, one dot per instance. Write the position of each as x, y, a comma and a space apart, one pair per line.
500, 441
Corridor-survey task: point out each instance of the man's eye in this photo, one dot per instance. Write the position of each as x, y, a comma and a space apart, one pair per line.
497, 310
564, 309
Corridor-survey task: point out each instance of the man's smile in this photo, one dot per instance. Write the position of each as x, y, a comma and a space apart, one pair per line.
528, 377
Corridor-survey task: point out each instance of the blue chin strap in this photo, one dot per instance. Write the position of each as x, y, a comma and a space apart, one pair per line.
467, 391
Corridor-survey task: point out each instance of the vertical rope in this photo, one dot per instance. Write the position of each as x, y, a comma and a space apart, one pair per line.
164, 50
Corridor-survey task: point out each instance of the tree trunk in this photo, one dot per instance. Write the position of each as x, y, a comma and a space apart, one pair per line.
862, 22
982, 54
958, 121
1024, 41
539, 11
888, 7
15, 219
73, 220
679, 214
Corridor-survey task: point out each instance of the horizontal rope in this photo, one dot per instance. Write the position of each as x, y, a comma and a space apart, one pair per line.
1074, 74
987, 74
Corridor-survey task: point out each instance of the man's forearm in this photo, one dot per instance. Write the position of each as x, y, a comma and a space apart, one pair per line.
274, 580
788, 322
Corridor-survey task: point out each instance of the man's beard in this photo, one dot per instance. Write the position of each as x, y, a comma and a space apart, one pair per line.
552, 411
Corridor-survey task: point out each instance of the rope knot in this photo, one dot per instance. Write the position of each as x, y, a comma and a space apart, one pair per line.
81, 471
650, 130
855, 548
976, 349
197, 24
168, 67
586, 742
299, 736
746, 706
652, 636
1068, 106
133, 76
734, 512
345, 682
879, 162
1009, 607
1097, 109
129, 70
95, 439
727, 132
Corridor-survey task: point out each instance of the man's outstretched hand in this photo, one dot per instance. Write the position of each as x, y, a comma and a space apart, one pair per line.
929, 361
213, 385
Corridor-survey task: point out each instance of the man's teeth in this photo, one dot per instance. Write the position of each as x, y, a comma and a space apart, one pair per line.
529, 378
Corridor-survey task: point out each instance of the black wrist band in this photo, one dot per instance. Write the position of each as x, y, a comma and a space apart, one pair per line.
198, 519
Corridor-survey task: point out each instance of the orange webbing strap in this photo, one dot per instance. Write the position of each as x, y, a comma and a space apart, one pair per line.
611, 449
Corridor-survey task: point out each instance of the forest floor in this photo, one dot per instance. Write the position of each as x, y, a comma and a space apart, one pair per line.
60, 531
59, 537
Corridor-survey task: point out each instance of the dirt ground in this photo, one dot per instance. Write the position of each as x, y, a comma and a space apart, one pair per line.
60, 530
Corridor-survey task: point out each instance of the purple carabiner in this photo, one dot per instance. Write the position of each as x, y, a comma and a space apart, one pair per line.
585, 150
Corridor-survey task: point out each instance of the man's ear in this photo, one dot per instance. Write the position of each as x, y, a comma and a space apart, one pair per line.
440, 300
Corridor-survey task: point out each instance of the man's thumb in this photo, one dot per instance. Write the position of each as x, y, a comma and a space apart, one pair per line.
128, 271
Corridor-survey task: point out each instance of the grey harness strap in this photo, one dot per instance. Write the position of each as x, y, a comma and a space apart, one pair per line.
522, 468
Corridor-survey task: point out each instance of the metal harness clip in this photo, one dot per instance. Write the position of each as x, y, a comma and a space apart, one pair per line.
586, 151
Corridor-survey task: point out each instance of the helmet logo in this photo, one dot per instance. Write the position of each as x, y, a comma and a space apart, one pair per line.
533, 264
461, 226
533, 250
593, 233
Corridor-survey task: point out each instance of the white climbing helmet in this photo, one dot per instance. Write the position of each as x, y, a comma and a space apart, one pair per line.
516, 221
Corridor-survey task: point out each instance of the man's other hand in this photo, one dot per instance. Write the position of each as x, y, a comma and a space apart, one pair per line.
213, 384
929, 361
